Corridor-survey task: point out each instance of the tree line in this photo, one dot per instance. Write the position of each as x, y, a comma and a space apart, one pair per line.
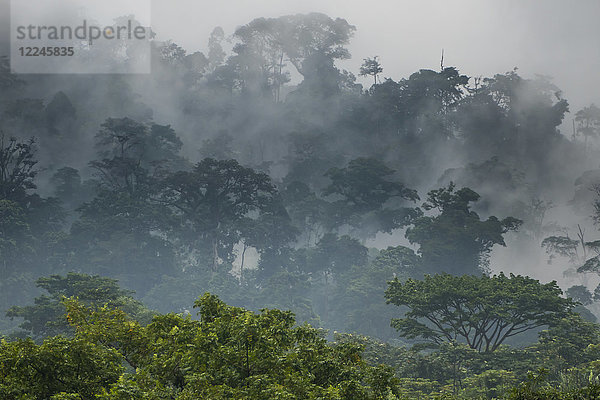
220, 173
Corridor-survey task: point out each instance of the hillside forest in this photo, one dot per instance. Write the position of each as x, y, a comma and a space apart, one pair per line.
251, 222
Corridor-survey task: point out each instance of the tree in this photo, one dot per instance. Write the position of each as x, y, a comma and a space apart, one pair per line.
365, 191
123, 237
481, 311
426, 100
17, 168
311, 42
331, 258
28, 222
121, 231
59, 113
229, 353
524, 116
212, 199
308, 212
269, 233
216, 55
401, 259
583, 256
571, 341
456, 240
70, 189
8, 80
259, 58
218, 147
588, 122
580, 294
309, 156
15, 235
60, 368
357, 293
17, 252
47, 316
316, 33
302, 35
372, 67
528, 206
128, 147
334, 255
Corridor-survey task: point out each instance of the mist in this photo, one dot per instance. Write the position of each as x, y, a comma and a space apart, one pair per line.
474, 151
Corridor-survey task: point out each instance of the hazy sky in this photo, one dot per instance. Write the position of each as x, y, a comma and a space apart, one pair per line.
481, 37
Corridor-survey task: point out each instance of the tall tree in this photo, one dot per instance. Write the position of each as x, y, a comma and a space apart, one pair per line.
483, 311
47, 317
120, 232
311, 42
371, 67
17, 168
588, 122
212, 199
367, 198
456, 240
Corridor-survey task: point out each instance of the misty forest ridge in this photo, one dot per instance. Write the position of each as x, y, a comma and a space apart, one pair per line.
251, 222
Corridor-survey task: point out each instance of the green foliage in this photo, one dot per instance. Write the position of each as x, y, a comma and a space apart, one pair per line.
17, 168
47, 316
65, 368
15, 235
357, 295
561, 245
403, 260
69, 188
361, 191
234, 353
321, 168
537, 387
124, 138
490, 384
337, 254
311, 214
580, 294
456, 240
483, 311
213, 199
229, 353
571, 341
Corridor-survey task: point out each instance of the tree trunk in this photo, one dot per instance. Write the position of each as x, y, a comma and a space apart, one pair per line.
215, 255
242, 263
